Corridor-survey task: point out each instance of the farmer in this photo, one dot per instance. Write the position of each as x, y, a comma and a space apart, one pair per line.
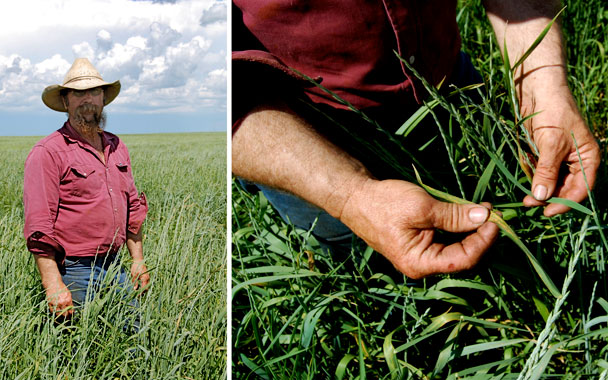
80, 200
309, 169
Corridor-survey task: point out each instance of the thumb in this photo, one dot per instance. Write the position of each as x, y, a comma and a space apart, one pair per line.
453, 217
552, 150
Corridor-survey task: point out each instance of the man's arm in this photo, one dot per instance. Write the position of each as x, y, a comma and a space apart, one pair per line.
542, 86
139, 271
57, 294
40, 203
275, 147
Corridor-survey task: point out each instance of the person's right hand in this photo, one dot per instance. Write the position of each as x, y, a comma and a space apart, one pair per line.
139, 275
399, 219
59, 299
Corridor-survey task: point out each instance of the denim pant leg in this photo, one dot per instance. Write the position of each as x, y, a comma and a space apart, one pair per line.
124, 284
122, 278
465, 73
328, 230
84, 275
76, 274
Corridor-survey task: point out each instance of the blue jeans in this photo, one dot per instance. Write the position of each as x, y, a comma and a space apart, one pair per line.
302, 214
86, 276
327, 229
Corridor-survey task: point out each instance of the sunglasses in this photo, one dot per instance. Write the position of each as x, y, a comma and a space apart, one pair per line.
93, 91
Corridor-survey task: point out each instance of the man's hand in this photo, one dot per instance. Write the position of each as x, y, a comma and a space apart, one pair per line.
58, 295
554, 131
139, 275
399, 219
542, 86
59, 298
139, 271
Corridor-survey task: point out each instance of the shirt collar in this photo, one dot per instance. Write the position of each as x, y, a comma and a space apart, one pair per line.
71, 135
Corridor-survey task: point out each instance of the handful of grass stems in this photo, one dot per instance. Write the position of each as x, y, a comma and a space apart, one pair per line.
299, 312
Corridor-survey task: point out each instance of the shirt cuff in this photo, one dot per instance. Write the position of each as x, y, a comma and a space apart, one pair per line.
43, 245
259, 77
262, 60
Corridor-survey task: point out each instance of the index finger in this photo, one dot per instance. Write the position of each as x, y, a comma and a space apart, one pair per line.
574, 188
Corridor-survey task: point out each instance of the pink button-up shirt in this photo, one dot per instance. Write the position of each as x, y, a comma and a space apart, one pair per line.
75, 205
349, 46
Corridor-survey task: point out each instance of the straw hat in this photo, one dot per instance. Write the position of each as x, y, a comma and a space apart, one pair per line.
81, 76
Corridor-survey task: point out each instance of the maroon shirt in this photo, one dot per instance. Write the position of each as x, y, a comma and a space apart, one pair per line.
348, 45
74, 204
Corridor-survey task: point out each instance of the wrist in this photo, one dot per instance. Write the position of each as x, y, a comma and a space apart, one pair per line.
347, 193
353, 210
545, 79
53, 285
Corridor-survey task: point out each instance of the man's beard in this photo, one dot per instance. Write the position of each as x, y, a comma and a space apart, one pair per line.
96, 125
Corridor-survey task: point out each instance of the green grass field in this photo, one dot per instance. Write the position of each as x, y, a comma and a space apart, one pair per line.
299, 312
183, 315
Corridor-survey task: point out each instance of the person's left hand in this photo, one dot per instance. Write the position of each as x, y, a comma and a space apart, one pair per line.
139, 275
552, 132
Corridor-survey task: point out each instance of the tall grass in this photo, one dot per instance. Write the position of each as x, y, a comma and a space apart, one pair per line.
183, 315
299, 312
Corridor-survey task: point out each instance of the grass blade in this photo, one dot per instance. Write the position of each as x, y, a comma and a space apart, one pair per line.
538, 40
566, 202
468, 350
416, 118
342, 365
390, 355
506, 229
483, 182
310, 322
267, 279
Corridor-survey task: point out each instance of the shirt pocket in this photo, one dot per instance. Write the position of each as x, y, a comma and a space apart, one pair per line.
83, 181
124, 173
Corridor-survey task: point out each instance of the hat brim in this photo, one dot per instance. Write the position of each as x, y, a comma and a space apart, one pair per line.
51, 96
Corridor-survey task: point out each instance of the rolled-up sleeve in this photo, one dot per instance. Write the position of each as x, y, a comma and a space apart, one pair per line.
138, 209
41, 201
258, 76
137, 203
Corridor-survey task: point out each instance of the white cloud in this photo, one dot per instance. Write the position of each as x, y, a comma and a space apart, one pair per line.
104, 40
169, 57
83, 50
162, 36
216, 80
217, 13
51, 68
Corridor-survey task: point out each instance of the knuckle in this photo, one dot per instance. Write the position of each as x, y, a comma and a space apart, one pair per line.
450, 217
547, 170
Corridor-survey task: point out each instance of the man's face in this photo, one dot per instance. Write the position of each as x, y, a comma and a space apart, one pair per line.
86, 106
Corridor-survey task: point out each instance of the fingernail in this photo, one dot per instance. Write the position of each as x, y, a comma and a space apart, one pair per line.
540, 193
478, 214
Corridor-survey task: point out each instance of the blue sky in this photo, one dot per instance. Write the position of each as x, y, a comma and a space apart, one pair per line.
170, 57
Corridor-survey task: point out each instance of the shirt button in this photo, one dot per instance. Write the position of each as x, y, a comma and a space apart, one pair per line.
412, 59
110, 190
